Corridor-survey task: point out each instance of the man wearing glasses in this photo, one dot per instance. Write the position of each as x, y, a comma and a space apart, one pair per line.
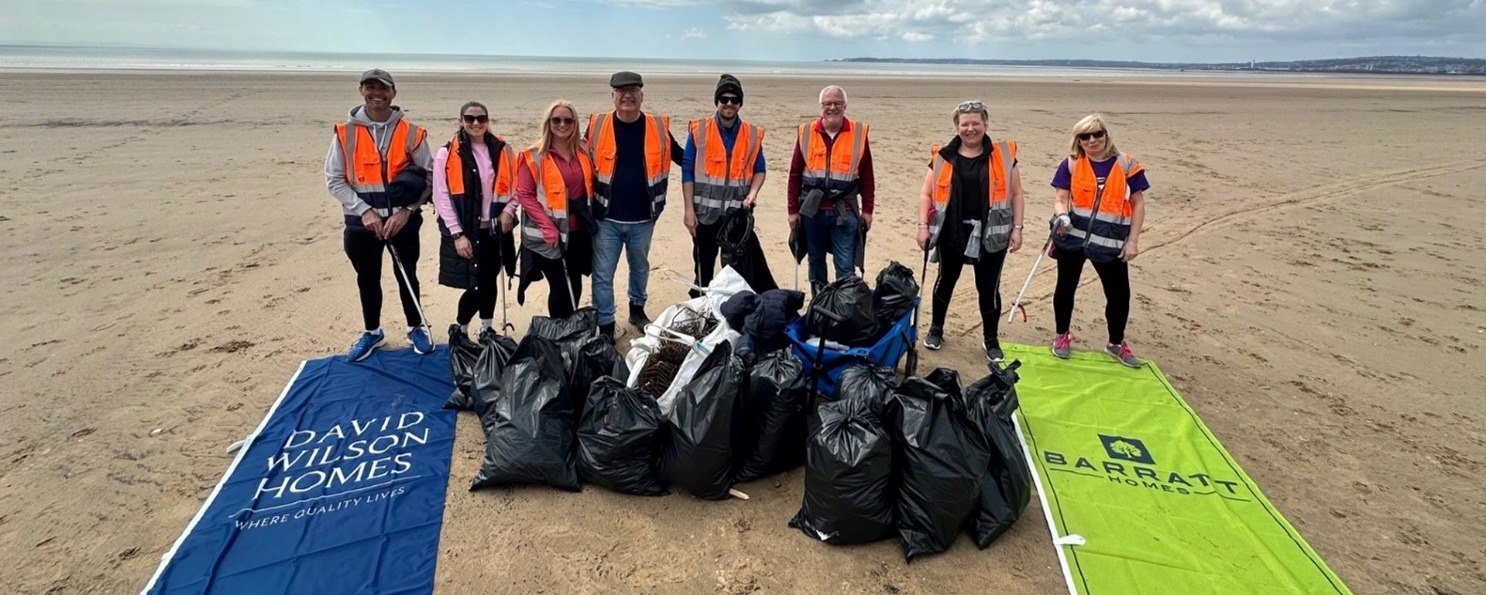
378, 167
632, 155
722, 170
831, 187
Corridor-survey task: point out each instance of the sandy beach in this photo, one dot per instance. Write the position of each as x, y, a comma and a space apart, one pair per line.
1311, 281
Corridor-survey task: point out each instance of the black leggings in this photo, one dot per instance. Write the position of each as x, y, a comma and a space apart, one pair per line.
987, 286
487, 285
1113, 275
365, 252
559, 304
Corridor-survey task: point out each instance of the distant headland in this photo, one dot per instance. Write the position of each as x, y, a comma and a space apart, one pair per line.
1366, 65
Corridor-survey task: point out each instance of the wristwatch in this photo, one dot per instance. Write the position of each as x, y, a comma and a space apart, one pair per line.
457, 235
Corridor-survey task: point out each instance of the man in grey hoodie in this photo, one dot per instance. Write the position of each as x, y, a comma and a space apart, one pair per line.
378, 167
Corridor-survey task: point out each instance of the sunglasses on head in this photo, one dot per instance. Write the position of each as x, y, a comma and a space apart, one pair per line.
561, 121
730, 100
1091, 135
472, 118
970, 106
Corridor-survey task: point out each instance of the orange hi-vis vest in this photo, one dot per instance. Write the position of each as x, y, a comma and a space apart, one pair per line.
368, 171
604, 153
552, 190
1100, 215
996, 233
721, 177
501, 191
831, 169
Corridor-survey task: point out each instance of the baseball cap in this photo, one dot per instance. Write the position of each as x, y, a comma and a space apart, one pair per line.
377, 74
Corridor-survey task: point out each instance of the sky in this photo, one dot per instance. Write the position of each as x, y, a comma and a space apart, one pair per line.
805, 30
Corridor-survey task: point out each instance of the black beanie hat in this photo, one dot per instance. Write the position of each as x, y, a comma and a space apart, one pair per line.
728, 83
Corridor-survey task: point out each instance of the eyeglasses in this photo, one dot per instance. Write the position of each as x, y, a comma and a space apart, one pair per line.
1091, 135
833, 104
730, 100
472, 118
627, 90
970, 106
561, 121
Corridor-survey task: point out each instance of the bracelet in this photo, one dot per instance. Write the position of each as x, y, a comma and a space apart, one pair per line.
1016, 227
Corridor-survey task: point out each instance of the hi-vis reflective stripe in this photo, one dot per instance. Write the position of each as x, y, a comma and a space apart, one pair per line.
712, 195
807, 137
531, 233
1097, 240
1102, 216
351, 135
1000, 205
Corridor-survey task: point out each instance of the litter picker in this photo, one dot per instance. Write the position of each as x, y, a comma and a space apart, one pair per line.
1018, 303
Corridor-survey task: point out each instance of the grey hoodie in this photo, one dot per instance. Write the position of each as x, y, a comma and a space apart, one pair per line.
335, 159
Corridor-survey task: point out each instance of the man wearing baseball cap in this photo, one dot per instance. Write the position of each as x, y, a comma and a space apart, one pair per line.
632, 154
378, 167
722, 170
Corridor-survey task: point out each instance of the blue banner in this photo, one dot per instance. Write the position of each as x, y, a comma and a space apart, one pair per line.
340, 489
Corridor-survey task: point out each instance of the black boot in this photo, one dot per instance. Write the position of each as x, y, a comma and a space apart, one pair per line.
637, 317
606, 331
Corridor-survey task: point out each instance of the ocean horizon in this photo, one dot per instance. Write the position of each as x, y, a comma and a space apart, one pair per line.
79, 58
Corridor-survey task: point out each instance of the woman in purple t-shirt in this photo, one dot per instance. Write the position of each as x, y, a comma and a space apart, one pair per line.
1097, 218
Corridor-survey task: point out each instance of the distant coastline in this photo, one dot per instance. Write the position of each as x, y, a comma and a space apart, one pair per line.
1429, 65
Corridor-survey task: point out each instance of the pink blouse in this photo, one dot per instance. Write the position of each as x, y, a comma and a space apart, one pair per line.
441, 201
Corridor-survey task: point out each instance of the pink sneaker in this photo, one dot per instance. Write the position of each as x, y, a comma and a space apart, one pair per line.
1122, 352
1061, 344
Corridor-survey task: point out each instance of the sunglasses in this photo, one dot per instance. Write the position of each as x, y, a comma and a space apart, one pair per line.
471, 118
561, 121
970, 106
1091, 135
730, 100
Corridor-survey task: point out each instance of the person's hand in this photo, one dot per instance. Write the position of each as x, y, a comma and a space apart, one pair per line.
1060, 224
551, 237
866, 221
749, 200
507, 222
395, 223
1130, 251
923, 238
691, 222
372, 222
1016, 240
794, 220
463, 246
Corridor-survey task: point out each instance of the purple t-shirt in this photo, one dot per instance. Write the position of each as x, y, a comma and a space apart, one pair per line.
1063, 180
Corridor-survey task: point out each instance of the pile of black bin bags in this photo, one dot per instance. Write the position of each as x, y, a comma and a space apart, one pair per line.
921, 460
556, 412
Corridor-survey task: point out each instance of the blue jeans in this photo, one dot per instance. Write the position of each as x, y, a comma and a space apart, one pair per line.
634, 238
822, 232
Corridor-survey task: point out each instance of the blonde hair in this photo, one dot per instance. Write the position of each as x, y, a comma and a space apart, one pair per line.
1091, 123
985, 116
574, 143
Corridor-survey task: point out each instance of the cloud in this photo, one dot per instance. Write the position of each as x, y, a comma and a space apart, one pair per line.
693, 33
1094, 22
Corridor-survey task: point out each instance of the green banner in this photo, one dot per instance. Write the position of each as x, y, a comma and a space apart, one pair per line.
1140, 496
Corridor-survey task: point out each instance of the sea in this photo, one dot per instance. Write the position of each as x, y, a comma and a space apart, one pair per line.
71, 58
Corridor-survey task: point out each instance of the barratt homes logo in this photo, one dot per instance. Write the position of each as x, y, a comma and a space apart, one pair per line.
1126, 449
1128, 462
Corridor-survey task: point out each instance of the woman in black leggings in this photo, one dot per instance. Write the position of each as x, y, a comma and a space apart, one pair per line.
970, 212
1097, 217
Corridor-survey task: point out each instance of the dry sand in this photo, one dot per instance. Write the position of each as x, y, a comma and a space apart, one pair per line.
1311, 281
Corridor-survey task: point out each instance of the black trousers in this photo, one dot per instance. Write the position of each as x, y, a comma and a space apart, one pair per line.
987, 287
704, 251
482, 298
366, 253
561, 297
1113, 275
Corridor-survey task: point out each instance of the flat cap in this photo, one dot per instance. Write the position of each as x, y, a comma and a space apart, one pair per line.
626, 79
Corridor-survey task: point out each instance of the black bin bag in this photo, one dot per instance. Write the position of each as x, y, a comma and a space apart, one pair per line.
462, 356
529, 427
943, 457
848, 476
1008, 484
574, 335
699, 452
893, 297
618, 439
870, 384
485, 374
843, 312
775, 416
